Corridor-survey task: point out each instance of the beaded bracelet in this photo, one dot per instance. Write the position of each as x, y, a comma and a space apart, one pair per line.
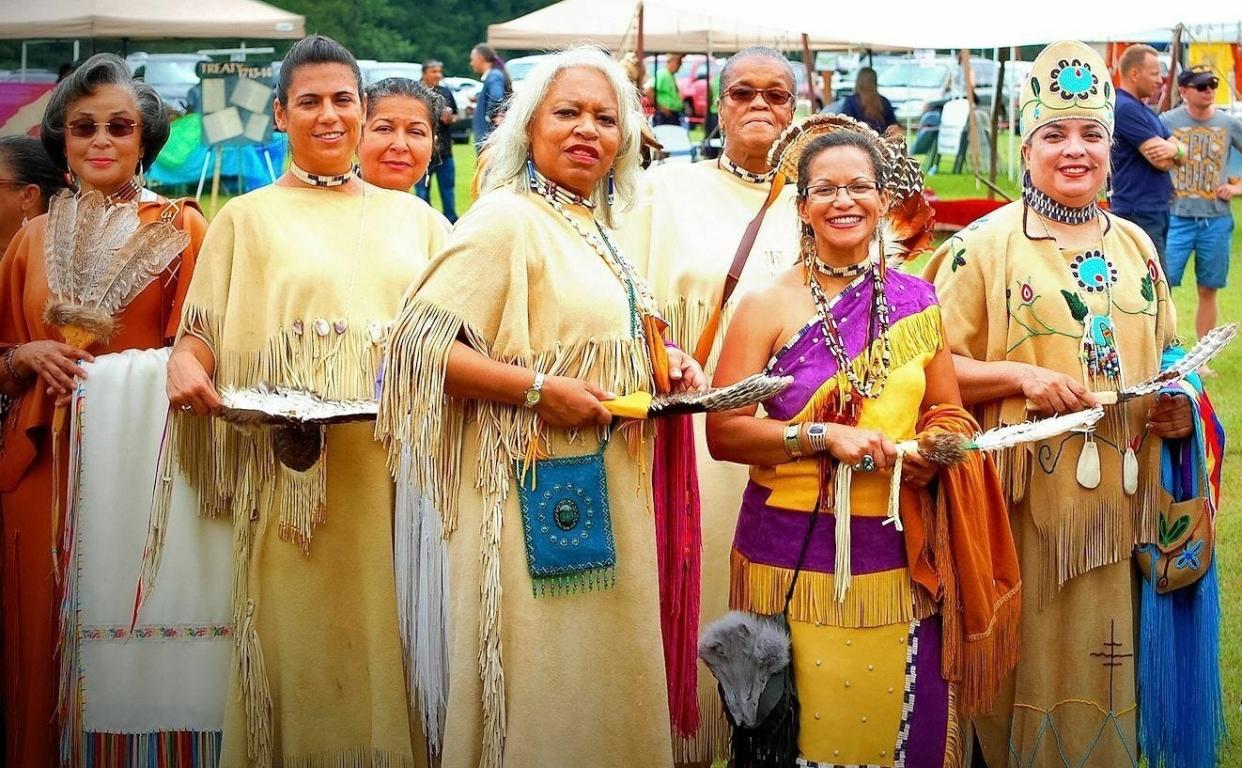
8, 363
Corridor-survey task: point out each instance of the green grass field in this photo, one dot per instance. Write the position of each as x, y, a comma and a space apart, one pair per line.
1229, 408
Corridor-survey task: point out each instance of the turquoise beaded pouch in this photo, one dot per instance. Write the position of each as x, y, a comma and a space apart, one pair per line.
567, 524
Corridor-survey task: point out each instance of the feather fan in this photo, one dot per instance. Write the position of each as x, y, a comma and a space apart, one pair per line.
1202, 353
290, 407
748, 391
98, 259
947, 448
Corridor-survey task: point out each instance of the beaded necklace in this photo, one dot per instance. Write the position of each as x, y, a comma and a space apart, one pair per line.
318, 180
725, 163
638, 295
127, 192
867, 387
1048, 208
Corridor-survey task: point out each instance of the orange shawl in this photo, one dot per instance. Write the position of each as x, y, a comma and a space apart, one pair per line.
961, 551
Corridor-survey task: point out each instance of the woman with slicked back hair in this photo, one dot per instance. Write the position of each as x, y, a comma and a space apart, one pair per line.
301, 280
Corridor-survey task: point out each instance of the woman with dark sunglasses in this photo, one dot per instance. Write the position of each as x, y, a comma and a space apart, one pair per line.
103, 128
684, 230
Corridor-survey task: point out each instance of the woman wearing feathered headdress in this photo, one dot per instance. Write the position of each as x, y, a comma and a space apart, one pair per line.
1048, 301
901, 607
104, 128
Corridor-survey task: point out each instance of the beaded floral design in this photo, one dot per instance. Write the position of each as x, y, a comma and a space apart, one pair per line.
1073, 79
1093, 272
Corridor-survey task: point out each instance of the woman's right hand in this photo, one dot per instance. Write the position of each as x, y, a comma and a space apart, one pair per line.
1050, 392
55, 363
849, 445
189, 387
567, 403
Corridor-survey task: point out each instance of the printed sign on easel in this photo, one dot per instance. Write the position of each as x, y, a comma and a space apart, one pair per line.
236, 101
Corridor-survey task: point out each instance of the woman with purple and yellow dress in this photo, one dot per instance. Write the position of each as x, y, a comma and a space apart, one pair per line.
865, 347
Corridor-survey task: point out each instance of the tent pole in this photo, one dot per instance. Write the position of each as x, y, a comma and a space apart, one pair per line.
1169, 99
77, 51
638, 43
997, 99
24, 61
810, 74
1014, 117
972, 125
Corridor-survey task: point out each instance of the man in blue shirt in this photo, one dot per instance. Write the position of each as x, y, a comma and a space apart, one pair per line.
1143, 153
491, 98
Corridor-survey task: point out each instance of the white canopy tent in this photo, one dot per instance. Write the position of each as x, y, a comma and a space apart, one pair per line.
614, 24
146, 19
970, 23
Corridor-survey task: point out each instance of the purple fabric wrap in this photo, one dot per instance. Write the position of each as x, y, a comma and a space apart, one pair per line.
929, 722
807, 359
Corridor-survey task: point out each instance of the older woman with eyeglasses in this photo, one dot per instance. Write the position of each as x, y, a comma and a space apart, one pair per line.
103, 127
688, 235
498, 364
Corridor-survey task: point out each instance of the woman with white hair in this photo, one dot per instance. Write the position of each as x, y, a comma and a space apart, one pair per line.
530, 318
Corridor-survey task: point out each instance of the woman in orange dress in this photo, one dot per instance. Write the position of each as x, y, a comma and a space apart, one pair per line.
103, 127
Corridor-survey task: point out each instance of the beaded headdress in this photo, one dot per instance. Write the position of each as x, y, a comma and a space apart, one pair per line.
1068, 80
907, 223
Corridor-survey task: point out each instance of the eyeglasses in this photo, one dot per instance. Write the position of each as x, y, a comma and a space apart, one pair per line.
744, 94
117, 128
1210, 85
827, 193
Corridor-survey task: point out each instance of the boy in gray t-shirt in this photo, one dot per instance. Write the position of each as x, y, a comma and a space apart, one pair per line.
1200, 219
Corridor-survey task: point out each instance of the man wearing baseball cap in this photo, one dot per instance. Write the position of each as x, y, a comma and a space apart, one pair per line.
1200, 219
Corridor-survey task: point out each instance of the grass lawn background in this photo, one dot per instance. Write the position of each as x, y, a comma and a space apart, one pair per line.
1228, 406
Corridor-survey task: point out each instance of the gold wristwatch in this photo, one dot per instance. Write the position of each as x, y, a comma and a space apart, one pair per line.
535, 393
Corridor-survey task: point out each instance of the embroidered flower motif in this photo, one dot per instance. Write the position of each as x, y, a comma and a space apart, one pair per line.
1189, 558
1094, 272
1074, 79
1027, 292
1153, 269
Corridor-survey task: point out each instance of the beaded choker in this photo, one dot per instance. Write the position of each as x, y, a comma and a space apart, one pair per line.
545, 187
1050, 209
743, 174
316, 180
851, 270
127, 192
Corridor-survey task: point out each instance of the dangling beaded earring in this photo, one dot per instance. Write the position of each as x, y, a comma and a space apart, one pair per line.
142, 175
612, 191
1026, 179
73, 179
806, 248
530, 171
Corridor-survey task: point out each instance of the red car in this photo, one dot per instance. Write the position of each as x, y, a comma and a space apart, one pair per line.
691, 81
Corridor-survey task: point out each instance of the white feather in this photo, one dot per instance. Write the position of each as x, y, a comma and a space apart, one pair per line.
1034, 431
1208, 347
263, 405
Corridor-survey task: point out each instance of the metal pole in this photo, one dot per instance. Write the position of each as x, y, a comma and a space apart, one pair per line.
23, 61
1014, 117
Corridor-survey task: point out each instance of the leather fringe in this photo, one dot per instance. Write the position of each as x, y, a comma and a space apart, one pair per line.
874, 599
414, 413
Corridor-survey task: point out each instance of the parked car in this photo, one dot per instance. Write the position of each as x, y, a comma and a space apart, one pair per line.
518, 68
691, 81
374, 71
465, 90
172, 75
915, 86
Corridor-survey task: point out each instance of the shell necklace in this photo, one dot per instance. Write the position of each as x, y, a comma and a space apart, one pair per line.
874, 378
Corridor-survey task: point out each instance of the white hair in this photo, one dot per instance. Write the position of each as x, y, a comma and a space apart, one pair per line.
508, 147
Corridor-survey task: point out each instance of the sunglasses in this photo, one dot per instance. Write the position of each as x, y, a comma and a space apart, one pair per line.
744, 94
1210, 85
117, 127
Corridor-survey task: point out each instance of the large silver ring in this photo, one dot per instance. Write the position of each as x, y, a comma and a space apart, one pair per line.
866, 465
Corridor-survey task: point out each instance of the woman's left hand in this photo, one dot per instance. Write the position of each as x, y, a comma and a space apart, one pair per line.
1170, 416
917, 471
684, 372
